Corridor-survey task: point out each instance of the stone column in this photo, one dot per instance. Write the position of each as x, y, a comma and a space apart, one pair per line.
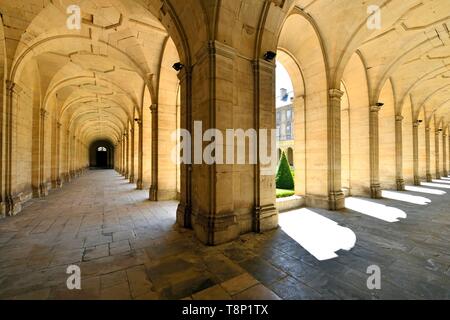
214, 218
139, 182
437, 147
399, 153
74, 157
131, 179
127, 155
12, 202
43, 191
416, 153
153, 192
184, 209
375, 187
265, 212
336, 196
68, 154
444, 154
428, 150
123, 157
59, 182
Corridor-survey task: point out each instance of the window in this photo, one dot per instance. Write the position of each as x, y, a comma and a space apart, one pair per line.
278, 117
289, 115
288, 132
103, 149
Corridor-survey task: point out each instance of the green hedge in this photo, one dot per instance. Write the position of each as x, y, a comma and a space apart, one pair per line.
284, 178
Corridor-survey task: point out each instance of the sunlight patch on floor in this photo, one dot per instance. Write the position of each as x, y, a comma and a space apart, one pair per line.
404, 197
319, 235
441, 181
375, 210
424, 190
435, 185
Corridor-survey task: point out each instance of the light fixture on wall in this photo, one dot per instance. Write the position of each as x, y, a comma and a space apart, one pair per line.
419, 121
178, 66
269, 56
379, 104
440, 130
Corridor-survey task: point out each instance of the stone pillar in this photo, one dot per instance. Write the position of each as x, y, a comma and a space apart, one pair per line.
68, 155
375, 187
153, 192
139, 182
214, 219
59, 181
399, 153
416, 153
437, 147
444, 154
184, 210
131, 178
336, 196
265, 212
43, 191
12, 202
123, 157
428, 150
127, 155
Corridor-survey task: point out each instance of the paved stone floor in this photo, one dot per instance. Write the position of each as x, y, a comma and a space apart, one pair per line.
128, 248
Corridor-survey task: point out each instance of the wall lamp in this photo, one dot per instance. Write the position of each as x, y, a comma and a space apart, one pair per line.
178, 66
269, 56
419, 121
379, 104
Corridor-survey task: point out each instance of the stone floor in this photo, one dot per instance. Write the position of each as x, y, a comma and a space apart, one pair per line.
129, 248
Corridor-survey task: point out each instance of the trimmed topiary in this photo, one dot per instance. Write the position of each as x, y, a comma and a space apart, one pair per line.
284, 178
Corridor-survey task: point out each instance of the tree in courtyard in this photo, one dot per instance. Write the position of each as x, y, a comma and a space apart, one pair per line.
284, 178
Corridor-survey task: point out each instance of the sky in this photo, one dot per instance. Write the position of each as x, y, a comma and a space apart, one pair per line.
282, 80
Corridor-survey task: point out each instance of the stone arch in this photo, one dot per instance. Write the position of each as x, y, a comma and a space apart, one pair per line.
307, 51
299, 156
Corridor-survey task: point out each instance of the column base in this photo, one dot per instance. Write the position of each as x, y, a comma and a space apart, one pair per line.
265, 219
375, 191
429, 177
153, 193
13, 205
139, 184
400, 185
131, 178
2, 210
215, 230
416, 181
334, 201
445, 174
184, 216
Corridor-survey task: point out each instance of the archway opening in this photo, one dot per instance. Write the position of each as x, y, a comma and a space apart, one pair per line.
101, 155
285, 131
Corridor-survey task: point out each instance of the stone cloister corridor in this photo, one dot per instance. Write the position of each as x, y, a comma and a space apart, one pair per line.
140, 144
130, 248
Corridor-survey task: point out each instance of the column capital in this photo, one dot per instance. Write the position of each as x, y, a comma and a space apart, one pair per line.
375, 108
59, 125
154, 108
13, 87
335, 94
399, 118
428, 129
44, 113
